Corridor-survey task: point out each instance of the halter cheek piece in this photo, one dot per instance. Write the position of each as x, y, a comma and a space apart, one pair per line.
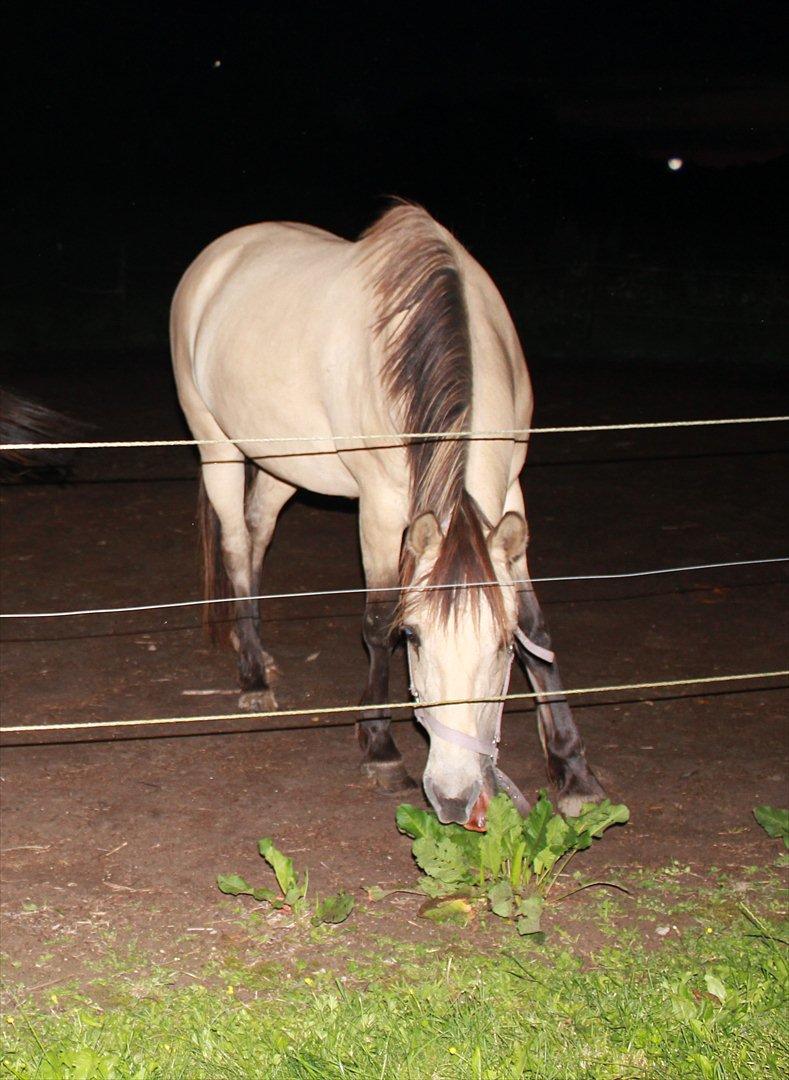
471, 742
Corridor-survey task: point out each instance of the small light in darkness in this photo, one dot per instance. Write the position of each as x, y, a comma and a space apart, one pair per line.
217, 63
675, 163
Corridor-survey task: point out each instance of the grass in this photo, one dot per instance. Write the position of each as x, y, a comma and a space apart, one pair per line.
708, 1000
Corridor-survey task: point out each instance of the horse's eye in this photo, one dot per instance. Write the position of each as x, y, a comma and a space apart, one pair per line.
411, 635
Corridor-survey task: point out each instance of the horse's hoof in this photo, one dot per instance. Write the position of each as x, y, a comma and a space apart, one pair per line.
389, 776
572, 803
257, 701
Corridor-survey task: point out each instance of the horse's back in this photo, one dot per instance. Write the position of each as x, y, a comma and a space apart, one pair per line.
270, 335
266, 249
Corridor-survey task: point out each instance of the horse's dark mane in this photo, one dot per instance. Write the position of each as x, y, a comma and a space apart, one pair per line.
427, 361
427, 373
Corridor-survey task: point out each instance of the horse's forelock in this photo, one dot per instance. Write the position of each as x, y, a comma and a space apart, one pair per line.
451, 586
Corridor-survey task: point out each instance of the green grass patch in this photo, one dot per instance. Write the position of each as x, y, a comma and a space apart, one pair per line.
708, 1002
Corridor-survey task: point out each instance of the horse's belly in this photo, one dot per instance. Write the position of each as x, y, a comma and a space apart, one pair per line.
280, 403
314, 467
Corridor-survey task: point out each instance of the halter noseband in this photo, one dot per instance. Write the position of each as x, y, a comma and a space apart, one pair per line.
461, 738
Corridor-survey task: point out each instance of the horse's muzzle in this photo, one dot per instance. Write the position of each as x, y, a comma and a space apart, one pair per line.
469, 809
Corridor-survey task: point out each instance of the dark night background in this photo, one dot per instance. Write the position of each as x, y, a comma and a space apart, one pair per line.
140, 132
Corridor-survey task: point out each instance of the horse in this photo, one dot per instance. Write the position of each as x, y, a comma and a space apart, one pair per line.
282, 330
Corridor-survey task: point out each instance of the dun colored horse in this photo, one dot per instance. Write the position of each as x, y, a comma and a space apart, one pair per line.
280, 330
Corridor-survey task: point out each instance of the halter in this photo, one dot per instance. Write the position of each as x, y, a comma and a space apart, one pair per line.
471, 742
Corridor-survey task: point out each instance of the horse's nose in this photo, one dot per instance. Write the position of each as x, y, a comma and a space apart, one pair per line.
460, 808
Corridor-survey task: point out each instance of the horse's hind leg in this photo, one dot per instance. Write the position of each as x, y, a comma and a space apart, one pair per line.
265, 497
381, 760
225, 486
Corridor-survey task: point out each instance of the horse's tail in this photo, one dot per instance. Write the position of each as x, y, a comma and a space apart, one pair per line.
26, 421
218, 618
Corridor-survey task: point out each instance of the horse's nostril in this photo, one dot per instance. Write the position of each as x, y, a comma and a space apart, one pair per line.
478, 818
453, 809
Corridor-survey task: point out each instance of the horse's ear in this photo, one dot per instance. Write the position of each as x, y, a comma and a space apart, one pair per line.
424, 536
509, 539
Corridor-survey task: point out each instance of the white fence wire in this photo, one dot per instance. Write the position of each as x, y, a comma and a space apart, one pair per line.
399, 438
333, 710
309, 594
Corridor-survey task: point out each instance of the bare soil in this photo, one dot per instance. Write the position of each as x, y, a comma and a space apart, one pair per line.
117, 836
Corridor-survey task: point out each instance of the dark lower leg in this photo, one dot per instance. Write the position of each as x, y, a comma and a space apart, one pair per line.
257, 671
564, 749
380, 757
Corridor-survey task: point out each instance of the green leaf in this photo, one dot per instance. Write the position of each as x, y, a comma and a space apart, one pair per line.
266, 895
334, 909
491, 855
529, 914
775, 822
545, 860
433, 887
516, 868
715, 987
560, 835
457, 910
582, 841
421, 823
442, 859
417, 823
233, 885
505, 824
595, 818
502, 900
279, 863
535, 824
503, 837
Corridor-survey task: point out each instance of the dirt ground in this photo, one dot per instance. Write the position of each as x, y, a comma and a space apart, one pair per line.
119, 835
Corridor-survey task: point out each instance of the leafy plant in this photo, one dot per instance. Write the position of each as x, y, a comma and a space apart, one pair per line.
510, 869
774, 822
293, 889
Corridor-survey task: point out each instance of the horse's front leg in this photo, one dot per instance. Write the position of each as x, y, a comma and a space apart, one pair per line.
381, 760
564, 749
380, 533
